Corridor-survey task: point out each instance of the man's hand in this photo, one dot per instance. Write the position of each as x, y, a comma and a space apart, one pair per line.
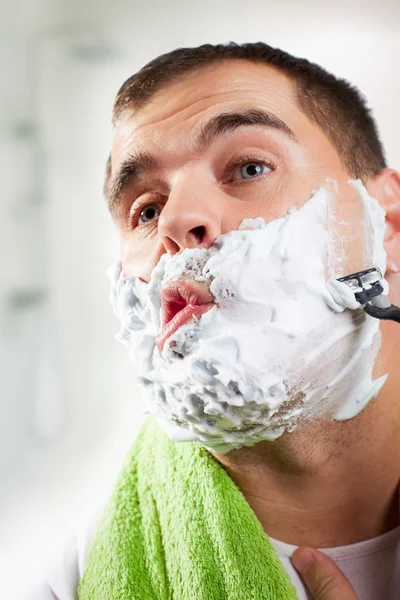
323, 578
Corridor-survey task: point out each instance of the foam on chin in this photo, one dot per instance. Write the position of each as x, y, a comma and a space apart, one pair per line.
278, 346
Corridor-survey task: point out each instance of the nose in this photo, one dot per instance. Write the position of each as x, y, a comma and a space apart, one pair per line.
192, 216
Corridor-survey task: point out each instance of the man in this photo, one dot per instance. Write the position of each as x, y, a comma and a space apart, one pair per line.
204, 139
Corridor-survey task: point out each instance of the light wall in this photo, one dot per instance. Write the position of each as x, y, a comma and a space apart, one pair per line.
69, 402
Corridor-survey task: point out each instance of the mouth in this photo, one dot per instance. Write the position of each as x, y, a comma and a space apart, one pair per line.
181, 301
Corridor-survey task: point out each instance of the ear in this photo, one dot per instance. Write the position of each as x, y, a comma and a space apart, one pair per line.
385, 188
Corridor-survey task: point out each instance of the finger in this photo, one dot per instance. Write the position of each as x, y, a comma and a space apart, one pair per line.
322, 576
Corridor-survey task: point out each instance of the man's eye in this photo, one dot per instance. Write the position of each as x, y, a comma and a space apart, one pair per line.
251, 170
148, 213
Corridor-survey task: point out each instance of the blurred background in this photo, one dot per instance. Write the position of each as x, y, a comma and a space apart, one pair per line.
69, 404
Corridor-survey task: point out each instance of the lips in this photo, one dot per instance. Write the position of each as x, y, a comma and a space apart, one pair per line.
181, 301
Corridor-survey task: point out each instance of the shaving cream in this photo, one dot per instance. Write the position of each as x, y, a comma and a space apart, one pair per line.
284, 343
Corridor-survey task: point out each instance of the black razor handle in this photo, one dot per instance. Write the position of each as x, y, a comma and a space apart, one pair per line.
390, 314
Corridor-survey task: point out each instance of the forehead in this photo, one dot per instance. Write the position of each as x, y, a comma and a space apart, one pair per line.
177, 111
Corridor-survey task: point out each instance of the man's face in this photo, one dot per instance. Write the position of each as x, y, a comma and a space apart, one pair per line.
225, 144
191, 187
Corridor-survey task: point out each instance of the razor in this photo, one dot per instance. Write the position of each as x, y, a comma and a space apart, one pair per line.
368, 291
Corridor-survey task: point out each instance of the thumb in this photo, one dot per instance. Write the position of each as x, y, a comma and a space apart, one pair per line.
322, 576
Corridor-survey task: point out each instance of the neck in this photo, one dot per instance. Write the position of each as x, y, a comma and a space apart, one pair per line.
326, 484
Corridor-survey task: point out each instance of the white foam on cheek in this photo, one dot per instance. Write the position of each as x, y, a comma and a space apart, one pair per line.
276, 348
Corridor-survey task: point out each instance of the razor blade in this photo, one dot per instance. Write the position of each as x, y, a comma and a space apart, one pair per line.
368, 291
365, 284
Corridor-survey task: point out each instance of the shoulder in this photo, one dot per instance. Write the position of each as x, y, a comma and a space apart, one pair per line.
62, 579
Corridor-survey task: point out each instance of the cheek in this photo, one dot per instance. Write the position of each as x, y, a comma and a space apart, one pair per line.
351, 232
140, 260
270, 199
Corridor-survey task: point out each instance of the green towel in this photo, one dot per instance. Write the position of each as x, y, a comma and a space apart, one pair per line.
178, 528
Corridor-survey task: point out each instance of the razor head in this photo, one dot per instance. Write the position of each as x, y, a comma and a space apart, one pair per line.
364, 284
366, 287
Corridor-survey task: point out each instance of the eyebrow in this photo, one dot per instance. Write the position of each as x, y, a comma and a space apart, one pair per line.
228, 122
138, 163
129, 171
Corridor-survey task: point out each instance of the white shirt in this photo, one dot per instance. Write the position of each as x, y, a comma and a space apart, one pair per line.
373, 566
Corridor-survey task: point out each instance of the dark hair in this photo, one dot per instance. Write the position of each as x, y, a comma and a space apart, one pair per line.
335, 105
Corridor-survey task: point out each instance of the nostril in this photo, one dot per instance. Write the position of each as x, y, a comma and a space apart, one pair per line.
198, 233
